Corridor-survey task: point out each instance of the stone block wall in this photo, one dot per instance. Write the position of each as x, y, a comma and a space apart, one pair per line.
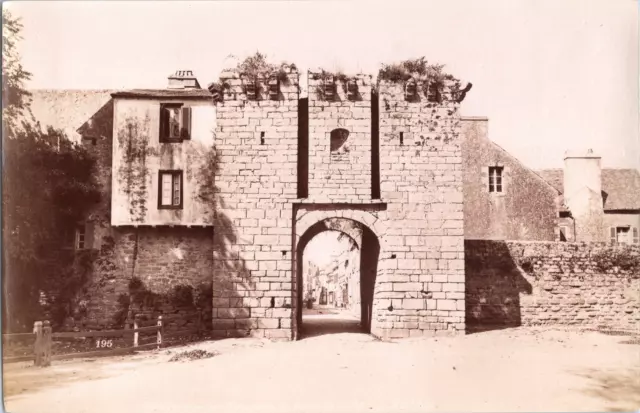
256, 142
341, 174
420, 285
172, 269
512, 283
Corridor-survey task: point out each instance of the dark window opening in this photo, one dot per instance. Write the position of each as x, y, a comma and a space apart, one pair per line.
495, 178
274, 88
433, 92
563, 234
401, 138
170, 190
352, 90
329, 88
251, 88
410, 91
338, 138
261, 138
175, 122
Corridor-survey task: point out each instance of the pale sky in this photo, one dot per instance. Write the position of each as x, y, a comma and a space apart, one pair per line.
550, 74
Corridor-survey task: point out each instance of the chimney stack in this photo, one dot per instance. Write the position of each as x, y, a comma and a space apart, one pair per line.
183, 79
581, 170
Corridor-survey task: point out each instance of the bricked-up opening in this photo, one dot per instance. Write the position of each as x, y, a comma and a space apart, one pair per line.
336, 298
375, 147
303, 148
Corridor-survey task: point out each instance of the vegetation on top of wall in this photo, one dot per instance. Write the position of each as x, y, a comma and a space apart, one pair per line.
620, 259
255, 67
432, 76
623, 258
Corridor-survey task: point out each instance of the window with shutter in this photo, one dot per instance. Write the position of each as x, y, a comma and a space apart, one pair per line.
170, 190
623, 235
612, 235
175, 122
636, 238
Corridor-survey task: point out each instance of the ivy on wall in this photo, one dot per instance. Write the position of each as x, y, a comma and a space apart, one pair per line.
133, 174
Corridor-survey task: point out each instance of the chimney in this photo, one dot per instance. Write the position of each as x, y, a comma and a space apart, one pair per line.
581, 170
183, 79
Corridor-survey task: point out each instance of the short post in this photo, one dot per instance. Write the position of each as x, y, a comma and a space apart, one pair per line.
135, 333
46, 337
37, 346
159, 340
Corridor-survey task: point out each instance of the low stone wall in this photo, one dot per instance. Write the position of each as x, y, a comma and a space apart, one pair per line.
512, 283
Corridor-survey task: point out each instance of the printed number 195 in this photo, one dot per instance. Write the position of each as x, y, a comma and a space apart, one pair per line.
104, 343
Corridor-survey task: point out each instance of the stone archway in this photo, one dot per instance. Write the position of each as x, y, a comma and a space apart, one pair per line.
368, 240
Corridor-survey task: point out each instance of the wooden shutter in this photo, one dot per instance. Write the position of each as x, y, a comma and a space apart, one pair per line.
636, 239
88, 235
164, 123
185, 131
612, 232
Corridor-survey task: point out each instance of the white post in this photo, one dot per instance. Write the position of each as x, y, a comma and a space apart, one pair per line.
135, 333
159, 340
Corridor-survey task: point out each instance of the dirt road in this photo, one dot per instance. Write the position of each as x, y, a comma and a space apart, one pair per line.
507, 370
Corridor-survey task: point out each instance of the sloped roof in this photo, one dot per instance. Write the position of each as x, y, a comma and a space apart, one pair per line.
67, 109
621, 187
164, 93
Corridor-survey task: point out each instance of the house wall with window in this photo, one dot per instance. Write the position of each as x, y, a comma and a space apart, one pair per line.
162, 153
502, 198
623, 228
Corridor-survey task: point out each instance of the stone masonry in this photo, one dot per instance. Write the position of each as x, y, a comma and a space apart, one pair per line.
415, 221
512, 283
420, 286
256, 141
342, 174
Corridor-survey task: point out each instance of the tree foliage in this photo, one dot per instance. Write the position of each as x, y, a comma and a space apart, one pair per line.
15, 98
49, 186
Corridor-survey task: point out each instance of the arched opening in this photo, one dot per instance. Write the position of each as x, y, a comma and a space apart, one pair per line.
336, 297
338, 137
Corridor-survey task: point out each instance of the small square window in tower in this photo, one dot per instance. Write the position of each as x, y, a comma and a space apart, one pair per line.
329, 88
495, 179
352, 89
274, 87
410, 90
